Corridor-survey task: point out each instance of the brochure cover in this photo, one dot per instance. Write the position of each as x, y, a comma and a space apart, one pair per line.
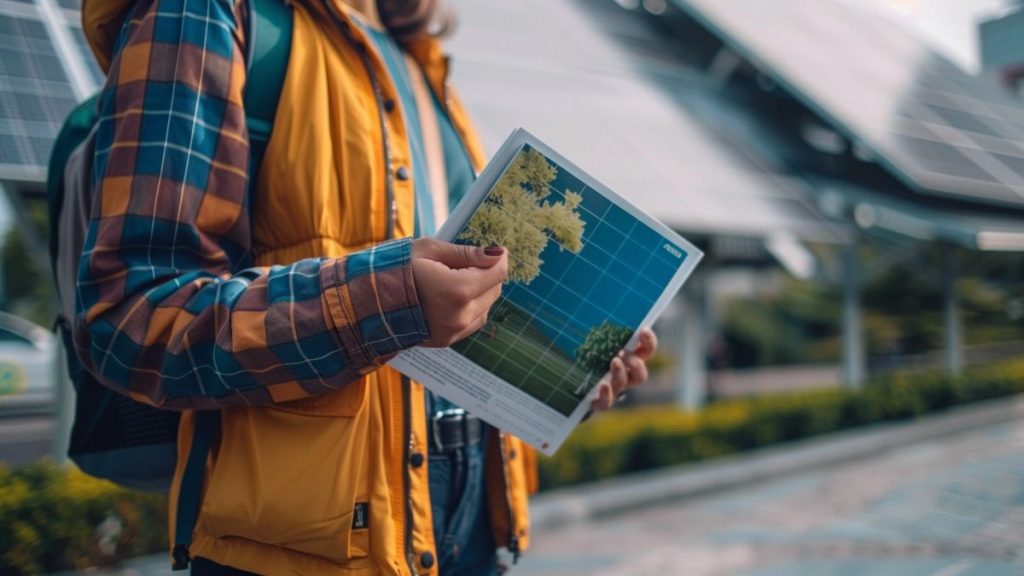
587, 269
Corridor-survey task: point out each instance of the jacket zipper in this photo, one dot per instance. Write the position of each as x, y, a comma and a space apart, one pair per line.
364, 54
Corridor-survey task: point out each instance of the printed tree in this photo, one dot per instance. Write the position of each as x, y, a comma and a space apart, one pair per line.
598, 349
518, 215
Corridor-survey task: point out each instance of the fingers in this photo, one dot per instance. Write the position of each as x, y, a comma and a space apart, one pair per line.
457, 256
604, 399
456, 286
610, 386
625, 371
647, 344
481, 279
636, 369
476, 270
619, 376
481, 305
473, 327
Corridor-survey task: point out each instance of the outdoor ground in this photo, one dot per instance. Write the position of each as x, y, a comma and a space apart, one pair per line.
518, 352
946, 507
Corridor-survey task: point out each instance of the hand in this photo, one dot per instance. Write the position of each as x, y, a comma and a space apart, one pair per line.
627, 369
456, 285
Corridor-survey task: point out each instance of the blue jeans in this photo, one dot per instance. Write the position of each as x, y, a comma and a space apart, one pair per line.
462, 527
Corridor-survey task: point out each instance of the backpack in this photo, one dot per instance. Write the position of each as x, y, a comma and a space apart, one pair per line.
114, 437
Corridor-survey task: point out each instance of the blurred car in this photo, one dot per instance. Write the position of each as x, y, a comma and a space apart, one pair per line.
26, 366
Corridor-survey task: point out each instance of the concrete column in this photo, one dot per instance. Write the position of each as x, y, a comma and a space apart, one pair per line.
691, 374
954, 344
854, 365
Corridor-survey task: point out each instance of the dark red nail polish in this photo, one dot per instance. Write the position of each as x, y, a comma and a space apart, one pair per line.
494, 250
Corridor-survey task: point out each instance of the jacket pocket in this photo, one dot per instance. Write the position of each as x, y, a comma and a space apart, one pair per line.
296, 476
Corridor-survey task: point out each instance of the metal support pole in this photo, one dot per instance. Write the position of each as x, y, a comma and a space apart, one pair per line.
64, 400
951, 313
853, 360
691, 375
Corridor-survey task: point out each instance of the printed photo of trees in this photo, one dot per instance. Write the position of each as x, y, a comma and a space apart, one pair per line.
583, 273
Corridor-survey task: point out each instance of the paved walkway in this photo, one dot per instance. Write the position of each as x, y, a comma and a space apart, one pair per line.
947, 507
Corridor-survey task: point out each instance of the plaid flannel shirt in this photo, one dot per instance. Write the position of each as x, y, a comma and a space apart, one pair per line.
168, 308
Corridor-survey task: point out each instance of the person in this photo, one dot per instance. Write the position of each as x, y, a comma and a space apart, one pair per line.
277, 296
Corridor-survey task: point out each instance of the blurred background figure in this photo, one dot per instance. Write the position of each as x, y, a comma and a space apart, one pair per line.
854, 171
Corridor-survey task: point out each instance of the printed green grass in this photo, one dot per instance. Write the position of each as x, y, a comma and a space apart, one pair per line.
517, 352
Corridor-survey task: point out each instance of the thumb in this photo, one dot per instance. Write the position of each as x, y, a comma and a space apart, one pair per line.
457, 256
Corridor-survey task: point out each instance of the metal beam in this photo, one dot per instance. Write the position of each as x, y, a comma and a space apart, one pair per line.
64, 398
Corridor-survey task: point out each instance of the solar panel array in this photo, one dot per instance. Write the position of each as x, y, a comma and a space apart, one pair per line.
35, 92
938, 128
601, 87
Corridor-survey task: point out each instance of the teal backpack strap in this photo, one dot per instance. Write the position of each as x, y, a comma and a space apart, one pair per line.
190, 493
269, 40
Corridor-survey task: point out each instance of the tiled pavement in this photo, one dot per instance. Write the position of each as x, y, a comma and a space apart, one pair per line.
947, 507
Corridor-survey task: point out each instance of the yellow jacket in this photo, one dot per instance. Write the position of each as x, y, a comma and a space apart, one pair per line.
283, 480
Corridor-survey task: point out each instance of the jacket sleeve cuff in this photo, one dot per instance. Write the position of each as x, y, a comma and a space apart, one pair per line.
371, 302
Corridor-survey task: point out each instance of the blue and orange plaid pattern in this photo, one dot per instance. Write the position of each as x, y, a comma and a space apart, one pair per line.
168, 308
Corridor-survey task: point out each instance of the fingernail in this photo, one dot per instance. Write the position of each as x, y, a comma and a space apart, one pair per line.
494, 250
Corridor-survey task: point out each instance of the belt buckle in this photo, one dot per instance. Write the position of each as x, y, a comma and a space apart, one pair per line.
456, 414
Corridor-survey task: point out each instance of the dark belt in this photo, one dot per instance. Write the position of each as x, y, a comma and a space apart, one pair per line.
454, 429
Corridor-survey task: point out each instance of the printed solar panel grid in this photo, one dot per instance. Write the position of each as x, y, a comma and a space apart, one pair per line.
935, 126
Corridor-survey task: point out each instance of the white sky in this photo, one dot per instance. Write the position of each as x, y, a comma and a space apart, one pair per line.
949, 25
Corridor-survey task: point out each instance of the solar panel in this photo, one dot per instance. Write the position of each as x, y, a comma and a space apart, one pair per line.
939, 129
83, 48
35, 94
581, 76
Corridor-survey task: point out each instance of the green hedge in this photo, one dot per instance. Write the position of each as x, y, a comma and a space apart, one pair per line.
60, 519
631, 440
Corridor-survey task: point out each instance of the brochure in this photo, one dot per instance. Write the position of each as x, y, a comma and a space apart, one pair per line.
587, 269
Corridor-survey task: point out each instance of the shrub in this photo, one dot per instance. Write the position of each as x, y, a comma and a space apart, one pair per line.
625, 441
54, 518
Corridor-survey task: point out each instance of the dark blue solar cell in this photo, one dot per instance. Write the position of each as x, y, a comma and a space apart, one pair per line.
962, 120
941, 158
11, 150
